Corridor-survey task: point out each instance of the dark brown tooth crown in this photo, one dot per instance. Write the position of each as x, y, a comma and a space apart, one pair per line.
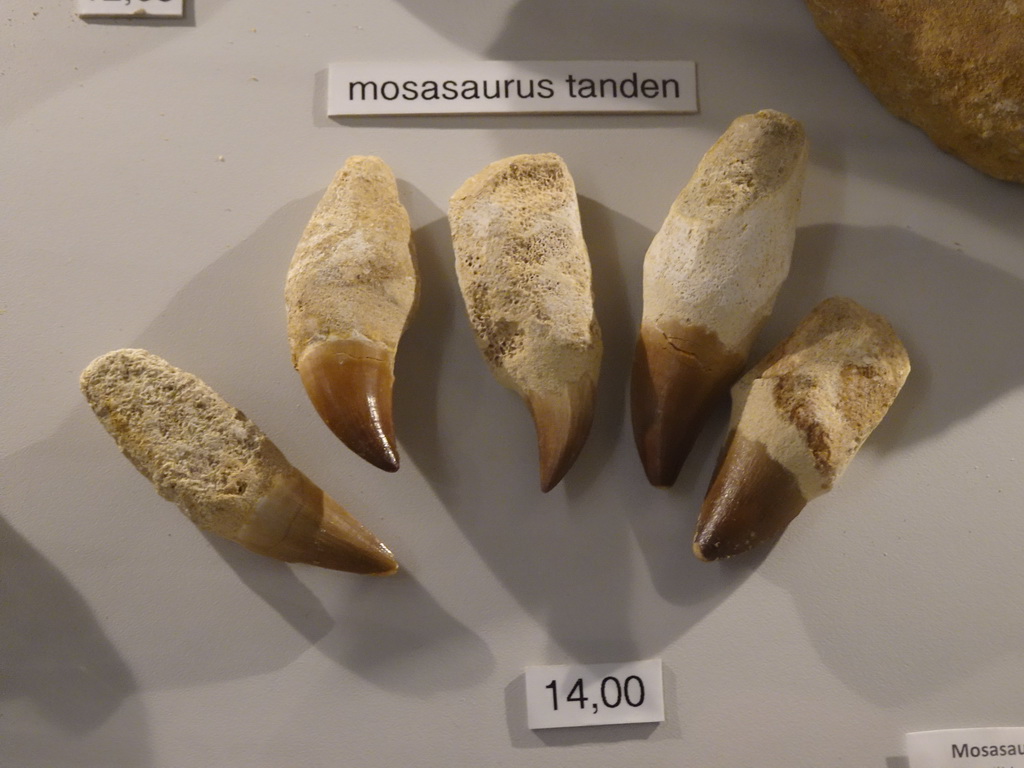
751, 500
679, 375
562, 421
350, 384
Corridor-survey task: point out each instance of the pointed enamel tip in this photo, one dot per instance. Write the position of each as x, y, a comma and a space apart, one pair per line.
297, 522
562, 419
349, 383
676, 383
752, 499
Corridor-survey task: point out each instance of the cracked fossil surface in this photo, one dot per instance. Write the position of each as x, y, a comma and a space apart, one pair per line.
711, 276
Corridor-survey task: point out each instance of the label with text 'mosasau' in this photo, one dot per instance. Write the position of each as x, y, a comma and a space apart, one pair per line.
967, 748
525, 87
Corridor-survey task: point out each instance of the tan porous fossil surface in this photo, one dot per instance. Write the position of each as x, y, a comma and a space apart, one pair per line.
351, 289
524, 272
711, 276
221, 470
799, 417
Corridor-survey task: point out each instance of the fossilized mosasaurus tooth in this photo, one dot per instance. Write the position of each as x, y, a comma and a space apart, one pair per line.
525, 275
220, 469
711, 276
799, 417
351, 288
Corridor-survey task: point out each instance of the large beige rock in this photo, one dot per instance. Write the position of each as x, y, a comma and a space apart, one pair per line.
954, 68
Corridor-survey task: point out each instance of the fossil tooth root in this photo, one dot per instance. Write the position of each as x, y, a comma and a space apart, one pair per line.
351, 288
525, 276
711, 276
799, 417
220, 469
349, 383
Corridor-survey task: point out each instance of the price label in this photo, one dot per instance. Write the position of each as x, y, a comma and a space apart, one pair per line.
967, 748
132, 8
594, 694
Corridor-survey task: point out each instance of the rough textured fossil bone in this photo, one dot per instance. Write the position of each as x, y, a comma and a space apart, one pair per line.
351, 288
525, 275
711, 276
799, 417
954, 69
220, 469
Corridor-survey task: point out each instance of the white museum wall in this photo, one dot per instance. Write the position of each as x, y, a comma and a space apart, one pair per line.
155, 177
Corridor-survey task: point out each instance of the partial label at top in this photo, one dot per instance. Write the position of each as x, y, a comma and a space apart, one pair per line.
511, 87
131, 8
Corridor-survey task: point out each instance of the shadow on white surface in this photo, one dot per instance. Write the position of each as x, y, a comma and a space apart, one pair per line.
565, 556
98, 45
857, 595
950, 309
171, 609
60, 672
380, 628
751, 57
392, 633
278, 585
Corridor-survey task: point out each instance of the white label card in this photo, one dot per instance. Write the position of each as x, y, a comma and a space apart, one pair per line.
594, 694
132, 8
528, 87
967, 748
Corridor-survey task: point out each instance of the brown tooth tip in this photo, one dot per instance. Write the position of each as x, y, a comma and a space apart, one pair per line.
699, 552
562, 420
677, 381
752, 499
345, 544
297, 522
349, 383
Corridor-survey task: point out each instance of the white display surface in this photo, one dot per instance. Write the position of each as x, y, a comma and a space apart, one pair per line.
156, 176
